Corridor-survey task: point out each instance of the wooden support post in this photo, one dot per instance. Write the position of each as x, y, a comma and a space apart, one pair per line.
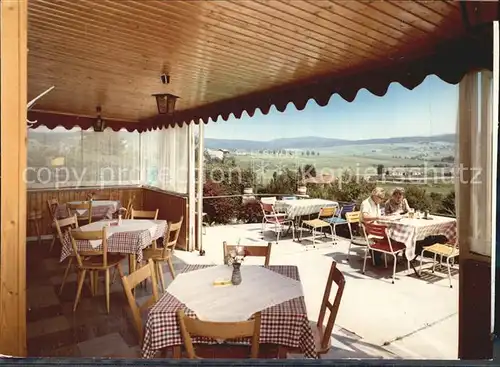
13, 94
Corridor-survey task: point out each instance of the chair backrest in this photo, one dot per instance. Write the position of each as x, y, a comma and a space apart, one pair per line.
52, 205
267, 208
84, 205
269, 199
289, 198
79, 235
171, 236
144, 214
348, 208
219, 330
375, 230
65, 225
262, 251
327, 212
337, 277
129, 207
352, 217
133, 280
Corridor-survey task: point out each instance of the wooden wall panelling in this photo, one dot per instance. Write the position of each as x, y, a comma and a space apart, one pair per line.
38, 200
171, 207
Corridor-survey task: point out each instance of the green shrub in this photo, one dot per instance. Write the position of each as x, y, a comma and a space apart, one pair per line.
250, 212
219, 210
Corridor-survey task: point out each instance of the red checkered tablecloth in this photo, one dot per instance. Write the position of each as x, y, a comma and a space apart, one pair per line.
98, 211
132, 242
284, 324
410, 231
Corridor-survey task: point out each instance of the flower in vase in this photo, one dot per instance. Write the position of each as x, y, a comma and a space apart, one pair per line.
236, 256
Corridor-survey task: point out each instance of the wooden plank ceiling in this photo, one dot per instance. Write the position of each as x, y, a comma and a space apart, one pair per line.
111, 52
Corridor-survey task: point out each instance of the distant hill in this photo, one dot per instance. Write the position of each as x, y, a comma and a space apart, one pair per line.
317, 142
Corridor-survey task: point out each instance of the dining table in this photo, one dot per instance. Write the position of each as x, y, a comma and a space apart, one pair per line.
275, 291
130, 237
408, 231
100, 209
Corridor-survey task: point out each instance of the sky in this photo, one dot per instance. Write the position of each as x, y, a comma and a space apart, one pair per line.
429, 109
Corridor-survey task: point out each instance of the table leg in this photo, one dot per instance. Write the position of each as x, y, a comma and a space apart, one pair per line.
176, 352
131, 263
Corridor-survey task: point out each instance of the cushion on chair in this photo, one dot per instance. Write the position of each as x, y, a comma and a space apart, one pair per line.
383, 245
335, 220
316, 223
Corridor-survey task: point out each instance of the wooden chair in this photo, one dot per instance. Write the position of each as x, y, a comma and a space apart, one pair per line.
128, 209
84, 205
61, 225
52, 205
357, 236
448, 251
144, 214
378, 240
35, 222
164, 254
219, 330
94, 261
322, 333
264, 251
129, 283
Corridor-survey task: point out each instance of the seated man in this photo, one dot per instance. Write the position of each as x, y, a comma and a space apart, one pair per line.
370, 208
397, 204
370, 211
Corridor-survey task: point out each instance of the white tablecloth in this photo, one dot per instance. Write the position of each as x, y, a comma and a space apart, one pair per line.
260, 288
409, 231
298, 208
127, 225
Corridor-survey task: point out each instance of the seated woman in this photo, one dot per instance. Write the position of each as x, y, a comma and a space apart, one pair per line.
397, 204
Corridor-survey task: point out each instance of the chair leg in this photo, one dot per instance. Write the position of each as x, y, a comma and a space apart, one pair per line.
394, 269
96, 282
349, 250
171, 267
434, 264
92, 285
449, 270
106, 282
364, 261
113, 279
161, 277
421, 258
81, 278
65, 276
385, 260
54, 237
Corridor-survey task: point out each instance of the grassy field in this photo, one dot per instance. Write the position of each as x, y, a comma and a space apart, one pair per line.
444, 188
360, 159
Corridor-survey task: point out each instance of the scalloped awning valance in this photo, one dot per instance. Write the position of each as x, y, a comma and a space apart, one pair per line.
232, 57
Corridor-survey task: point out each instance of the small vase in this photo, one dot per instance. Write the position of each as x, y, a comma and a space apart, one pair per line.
236, 277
